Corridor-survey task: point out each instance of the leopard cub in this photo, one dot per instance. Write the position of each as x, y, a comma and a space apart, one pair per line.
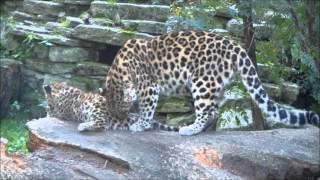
70, 103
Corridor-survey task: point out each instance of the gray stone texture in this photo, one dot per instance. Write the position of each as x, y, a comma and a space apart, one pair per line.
151, 27
108, 35
69, 54
48, 8
130, 11
272, 154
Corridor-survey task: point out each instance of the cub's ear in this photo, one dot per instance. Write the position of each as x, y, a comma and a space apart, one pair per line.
47, 89
102, 91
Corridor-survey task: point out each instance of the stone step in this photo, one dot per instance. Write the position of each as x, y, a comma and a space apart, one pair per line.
85, 68
35, 80
46, 34
76, 2
48, 10
145, 26
153, 2
130, 11
107, 35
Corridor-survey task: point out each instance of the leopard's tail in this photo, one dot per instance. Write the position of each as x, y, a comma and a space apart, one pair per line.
273, 110
165, 127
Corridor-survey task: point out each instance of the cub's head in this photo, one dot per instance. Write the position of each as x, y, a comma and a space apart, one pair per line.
57, 94
120, 97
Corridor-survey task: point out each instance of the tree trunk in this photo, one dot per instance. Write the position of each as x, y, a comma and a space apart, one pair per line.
250, 45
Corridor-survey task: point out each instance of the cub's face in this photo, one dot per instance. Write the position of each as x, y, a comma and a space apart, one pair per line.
56, 93
120, 98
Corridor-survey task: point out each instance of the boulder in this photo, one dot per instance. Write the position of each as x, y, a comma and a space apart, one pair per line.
10, 83
108, 35
130, 11
271, 154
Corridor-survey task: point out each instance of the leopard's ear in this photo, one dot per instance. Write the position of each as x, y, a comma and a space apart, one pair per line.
102, 91
47, 89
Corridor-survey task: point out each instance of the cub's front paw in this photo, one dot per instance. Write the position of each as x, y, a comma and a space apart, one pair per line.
136, 127
84, 126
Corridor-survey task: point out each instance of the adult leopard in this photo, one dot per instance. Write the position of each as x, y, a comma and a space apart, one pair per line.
200, 63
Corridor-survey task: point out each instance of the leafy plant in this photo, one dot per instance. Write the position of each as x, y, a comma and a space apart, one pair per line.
235, 116
64, 24
128, 32
14, 130
112, 2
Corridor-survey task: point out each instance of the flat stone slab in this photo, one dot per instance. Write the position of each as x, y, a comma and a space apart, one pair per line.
130, 11
107, 35
43, 7
151, 27
45, 33
77, 2
272, 154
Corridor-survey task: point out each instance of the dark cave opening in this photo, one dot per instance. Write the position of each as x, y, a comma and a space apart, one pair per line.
107, 54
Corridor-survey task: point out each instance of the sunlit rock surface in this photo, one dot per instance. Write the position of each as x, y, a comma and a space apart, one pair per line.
107, 35
275, 154
130, 11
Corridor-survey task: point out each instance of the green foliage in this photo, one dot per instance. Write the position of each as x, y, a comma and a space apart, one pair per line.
112, 2
289, 45
13, 126
64, 24
235, 115
14, 130
25, 49
198, 16
129, 32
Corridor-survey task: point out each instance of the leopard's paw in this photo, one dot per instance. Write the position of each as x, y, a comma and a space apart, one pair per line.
84, 126
189, 130
136, 127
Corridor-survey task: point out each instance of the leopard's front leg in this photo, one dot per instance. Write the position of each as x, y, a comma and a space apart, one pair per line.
148, 99
93, 122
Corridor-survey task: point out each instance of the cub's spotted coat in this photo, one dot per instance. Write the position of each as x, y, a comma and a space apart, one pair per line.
70, 103
199, 63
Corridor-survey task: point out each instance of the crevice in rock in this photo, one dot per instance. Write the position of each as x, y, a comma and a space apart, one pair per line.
107, 54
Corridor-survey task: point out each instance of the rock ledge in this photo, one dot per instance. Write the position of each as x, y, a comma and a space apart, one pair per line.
276, 154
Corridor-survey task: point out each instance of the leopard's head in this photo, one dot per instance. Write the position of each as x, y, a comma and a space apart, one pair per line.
120, 97
56, 94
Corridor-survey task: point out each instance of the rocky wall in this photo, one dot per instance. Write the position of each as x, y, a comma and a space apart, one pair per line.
76, 41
